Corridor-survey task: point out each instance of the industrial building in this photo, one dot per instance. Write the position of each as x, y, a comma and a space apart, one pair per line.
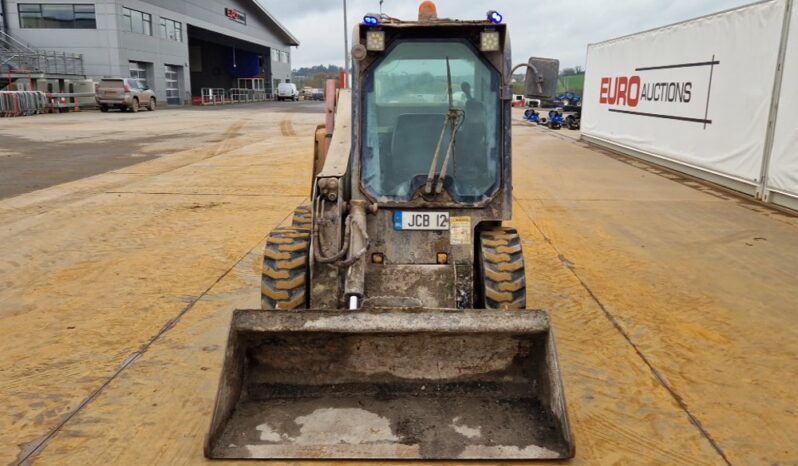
175, 47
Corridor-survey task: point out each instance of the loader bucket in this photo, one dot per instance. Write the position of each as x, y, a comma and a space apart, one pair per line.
398, 384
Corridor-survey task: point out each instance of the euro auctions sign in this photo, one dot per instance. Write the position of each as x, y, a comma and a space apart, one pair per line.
680, 91
695, 93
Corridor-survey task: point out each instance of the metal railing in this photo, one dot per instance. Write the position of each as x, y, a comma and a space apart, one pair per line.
44, 62
239, 94
220, 96
213, 95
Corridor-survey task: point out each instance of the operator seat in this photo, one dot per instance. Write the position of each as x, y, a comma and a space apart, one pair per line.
413, 146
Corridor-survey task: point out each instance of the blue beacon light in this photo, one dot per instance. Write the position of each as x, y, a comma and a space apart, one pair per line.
495, 17
370, 20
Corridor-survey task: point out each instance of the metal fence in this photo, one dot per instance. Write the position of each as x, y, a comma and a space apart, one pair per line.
220, 96
26, 103
238, 94
213, 95
23, 103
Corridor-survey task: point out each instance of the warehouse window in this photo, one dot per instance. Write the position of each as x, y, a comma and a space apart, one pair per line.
136, 21
283, 57
171, 82
172, 30
275, 55
56, 16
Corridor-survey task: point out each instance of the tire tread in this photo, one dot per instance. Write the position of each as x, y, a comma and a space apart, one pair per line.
285, 269
501, 265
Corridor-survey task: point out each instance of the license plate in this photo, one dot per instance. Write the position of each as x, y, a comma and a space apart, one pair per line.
420, 220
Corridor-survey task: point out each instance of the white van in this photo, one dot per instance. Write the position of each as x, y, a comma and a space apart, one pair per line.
287, 91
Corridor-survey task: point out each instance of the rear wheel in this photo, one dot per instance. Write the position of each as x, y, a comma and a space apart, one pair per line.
285, 269
134, 107
502, 282
103, 108
151, 105
302, 218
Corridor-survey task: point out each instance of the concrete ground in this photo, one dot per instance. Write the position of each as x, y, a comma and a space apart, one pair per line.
56, 149
674, 303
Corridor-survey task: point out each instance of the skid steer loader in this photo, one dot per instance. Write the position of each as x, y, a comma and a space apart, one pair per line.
394, 321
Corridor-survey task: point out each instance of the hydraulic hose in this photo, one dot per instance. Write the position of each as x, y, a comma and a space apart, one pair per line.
318, 254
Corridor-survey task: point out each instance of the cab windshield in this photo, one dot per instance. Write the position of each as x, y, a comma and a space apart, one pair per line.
406, 104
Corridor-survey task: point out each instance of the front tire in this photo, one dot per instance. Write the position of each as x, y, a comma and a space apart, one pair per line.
502, 281
103, 108
285, 269
302, 218
151, 105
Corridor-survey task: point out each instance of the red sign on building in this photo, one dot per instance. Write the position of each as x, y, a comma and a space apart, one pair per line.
235, 15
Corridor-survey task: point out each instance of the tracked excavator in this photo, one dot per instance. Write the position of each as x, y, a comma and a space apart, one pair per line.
394, 320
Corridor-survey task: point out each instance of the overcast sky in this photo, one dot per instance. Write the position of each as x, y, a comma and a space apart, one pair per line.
546, 28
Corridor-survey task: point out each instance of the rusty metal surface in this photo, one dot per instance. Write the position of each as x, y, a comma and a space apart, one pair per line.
326, 241
337, 160
394, 383
421, 246
355, 262
429, 286
319, 150
330, 99
393, 320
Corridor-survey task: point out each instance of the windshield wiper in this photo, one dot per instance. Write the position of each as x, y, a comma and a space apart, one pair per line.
454, 118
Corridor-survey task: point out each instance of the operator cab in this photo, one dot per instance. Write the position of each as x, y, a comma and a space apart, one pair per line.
421, 98
433, 123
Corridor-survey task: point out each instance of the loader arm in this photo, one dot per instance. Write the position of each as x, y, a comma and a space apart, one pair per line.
329, 196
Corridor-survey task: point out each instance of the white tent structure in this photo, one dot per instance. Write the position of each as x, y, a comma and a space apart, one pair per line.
715, 97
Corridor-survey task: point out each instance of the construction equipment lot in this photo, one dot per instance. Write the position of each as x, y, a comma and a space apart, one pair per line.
674, 302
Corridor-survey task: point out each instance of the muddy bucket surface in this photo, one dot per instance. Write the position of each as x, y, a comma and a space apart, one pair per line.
474, 384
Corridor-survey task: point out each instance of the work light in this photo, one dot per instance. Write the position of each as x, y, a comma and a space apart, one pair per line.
489, 41
375, 41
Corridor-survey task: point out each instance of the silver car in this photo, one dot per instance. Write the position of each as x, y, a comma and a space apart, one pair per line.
124, 94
